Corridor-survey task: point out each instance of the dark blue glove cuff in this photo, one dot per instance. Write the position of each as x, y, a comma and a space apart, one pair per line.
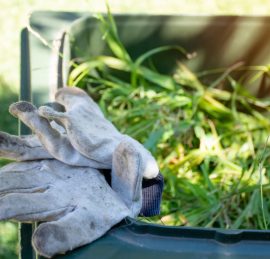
152, 194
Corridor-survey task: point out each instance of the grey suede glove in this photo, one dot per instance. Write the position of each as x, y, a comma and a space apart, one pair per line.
76, 204
55, 142
91, 140
128, 165
74, 198
22, 148
89, 131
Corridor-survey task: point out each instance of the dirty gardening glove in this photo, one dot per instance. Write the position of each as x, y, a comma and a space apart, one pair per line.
22, 148
99, 139
28, 147
55, 141
89, 131
76, 201
89, 136
127, 160
75, 204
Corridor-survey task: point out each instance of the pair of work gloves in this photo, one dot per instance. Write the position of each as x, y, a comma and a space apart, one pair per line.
60, 175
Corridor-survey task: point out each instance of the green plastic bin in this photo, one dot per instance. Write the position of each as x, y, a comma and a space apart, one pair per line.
219, 41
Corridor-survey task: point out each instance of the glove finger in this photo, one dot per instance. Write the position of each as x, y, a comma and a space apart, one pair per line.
60, 236
98, 137
20, 166
29, 207
81, 143
74, 96
56, 106
56, 144
60, 108
151, 169
75, 229
23, 181
51, 114
21, 148
127, 173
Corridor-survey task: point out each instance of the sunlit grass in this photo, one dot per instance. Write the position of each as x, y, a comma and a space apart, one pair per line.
8, 240
208, 139
13, 16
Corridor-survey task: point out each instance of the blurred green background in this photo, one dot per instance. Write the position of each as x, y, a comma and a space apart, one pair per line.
13, 17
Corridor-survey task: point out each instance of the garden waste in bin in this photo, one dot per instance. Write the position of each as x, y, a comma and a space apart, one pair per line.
218, 41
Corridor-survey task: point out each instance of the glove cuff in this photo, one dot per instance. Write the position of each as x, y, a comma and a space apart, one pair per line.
152, 194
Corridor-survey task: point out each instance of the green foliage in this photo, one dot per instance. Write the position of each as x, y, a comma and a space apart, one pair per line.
7, 122
8, 240
207, 139
8, 230
13, 18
